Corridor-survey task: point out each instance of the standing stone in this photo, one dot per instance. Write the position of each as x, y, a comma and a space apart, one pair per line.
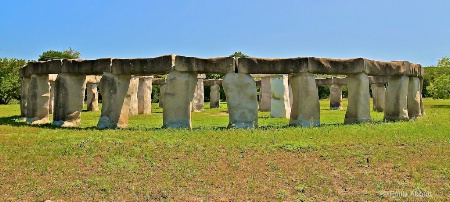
291, 96
358, 109
198, 102
378, 96
422, 109
178, 95
214, 96
68, 99
306, 106
414, 98
240, 90
83, 91
52, 97
24, 96
145, 95
280, 107
38, 99
134, 84
162, 89
92, 97
396, 99
115, 101
265, 94
335, 97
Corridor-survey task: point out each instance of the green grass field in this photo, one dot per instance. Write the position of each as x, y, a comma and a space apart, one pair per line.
334, 162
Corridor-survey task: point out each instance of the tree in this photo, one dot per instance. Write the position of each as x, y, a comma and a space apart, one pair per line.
440, 87
65, 54
434, 82
444, 62
239, 55
10, 79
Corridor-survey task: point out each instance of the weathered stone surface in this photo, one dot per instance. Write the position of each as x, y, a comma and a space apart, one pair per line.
414, 98
335, 97
162, 90
378, 96
272, 65
145, 95
38, 99
94, 67
335, 66
279, 104
306, 106
358, 109
211, 82
240, 90
198, 102
214, 96
143, 66
265, 94
52, 97
395, 108
178, 95
91, 79
115, 101
25, 82
68, 99
422, 109
159, 81
92, 97
394, 68
133, 89
219, 65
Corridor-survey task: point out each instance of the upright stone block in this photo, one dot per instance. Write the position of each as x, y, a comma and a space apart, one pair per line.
51, 103
134, 84
265, 94
422, 109
68, 99
414, 98
358, 109
178, 95
240, 90
198, 102
92, 97
378, 96
115, 101
162, 90
306, 106
280, 106
214, 96
38, 99
25, 82
335, 97
396, 108
145, 95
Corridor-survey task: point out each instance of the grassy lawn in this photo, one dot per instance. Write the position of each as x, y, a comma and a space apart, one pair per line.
334, 162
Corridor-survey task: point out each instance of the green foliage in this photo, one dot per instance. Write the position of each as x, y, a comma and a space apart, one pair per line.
432, 87
444, 62
66, 54
440, 87
9, 79
239, 55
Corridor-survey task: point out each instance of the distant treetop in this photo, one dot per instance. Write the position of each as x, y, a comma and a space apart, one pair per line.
66, 54
239, 55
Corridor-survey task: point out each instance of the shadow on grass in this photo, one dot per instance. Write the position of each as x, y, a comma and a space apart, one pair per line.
440, 106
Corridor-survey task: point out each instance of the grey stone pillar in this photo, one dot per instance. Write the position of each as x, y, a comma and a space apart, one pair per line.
265, 94
68, 99
214, 96
134, 84
162, 89
396, 99
378, 96
279, 105
51, 103
358, 109
306, 106
25, 83
198, 103
422, 109
178, 95
92, 97
145, 95
38, 99
115, 100
240, 90
335, 97
414, 98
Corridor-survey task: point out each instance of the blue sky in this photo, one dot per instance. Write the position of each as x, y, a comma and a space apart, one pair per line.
417, 31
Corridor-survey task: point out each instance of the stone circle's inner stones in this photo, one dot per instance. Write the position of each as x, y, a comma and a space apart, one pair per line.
92, 97
422, 109
414, 98
133, 89
358, 109
265, 94
145, 95
115, 101
198, 102
305, 107
214, 96
25, 83
178, 95
52, 97
280, 106
162, 90
240, 90
397, 99
219, 65
68, 99
335, 97
38, 99
378, 96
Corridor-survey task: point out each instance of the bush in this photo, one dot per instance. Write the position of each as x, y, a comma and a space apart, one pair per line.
9, 79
